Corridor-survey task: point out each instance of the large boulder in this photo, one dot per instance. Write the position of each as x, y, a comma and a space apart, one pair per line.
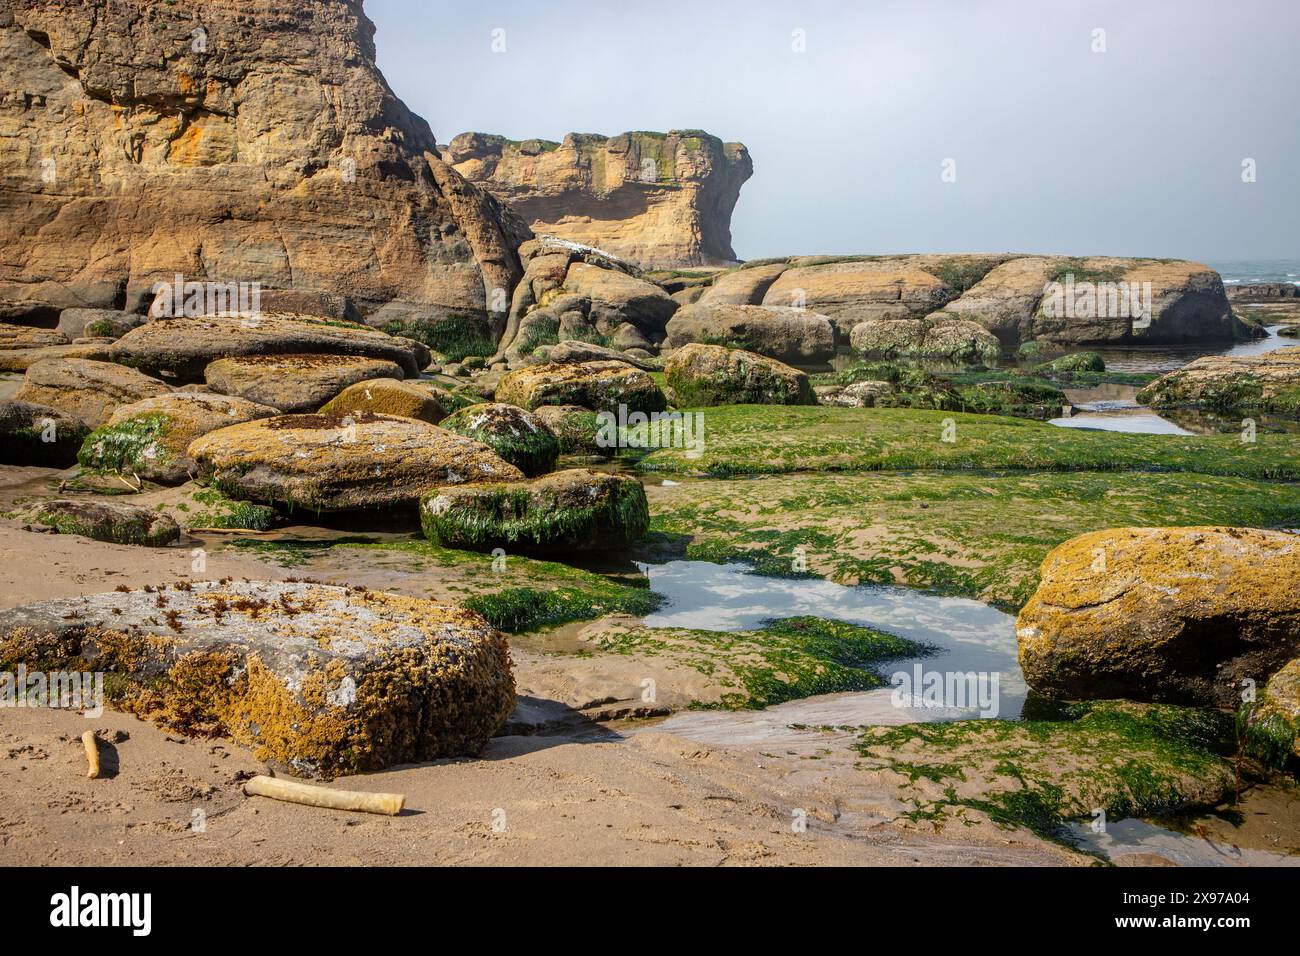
293, 383
316, 678
150, 438
388, 396
38, 435
1176, 615
1268, 382
600, 386
953, 340
85, 388
566, 509
184, 347
518, 436
271, 152
28, 337
613, 291
713, 375
847, 289
790, 335
112, 521
339, 462
744, 286
21, 359
97, 323
577, 429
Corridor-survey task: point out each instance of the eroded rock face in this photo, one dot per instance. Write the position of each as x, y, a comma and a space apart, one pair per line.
85, 388
183, 348
518, 436
320, 679
660, 200
38, 435
242, 140
793, 336
112, 521
600, 386
1266, 382
338, 462
294, 383
1178, 615
714, 375
571, 509
149, 438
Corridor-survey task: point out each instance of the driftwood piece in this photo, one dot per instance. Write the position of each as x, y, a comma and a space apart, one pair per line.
92, 753
389, 804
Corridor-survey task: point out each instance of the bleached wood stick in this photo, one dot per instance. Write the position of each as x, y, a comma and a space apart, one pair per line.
92, 753
389, 804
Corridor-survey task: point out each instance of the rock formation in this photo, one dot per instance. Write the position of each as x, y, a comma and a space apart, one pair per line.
234, 141
662, 200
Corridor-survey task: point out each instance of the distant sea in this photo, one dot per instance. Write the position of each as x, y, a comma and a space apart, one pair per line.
1247, 271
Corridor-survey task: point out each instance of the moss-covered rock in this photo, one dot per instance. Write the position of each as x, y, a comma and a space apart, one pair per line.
341, 462
955, 340
1178, 615
294, 383
1272, 723
576, 428
217, 512
714, 375
518, 436
600, 386
104, 521
1265, 383
149, 438
1069, 365
85, 388
322, 679
571, 509
39, 435
387, 396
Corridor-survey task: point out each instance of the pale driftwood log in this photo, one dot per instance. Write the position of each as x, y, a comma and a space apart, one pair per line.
92, 753
389, 804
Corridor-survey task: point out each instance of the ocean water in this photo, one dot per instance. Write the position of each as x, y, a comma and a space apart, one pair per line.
1247, 271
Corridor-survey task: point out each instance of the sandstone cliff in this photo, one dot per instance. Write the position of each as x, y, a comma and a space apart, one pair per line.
661, 200
228, 140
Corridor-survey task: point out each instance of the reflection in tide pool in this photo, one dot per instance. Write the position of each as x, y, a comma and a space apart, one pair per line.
1131, 836
969, 637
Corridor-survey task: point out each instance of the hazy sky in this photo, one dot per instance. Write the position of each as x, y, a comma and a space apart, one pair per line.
1134, 151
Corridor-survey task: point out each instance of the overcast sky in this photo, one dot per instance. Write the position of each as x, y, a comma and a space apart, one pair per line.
1137, 150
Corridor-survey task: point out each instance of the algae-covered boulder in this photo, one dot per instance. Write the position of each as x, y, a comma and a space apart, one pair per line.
713, 375
88, 389
322, 679
790, 335
575, 428
955, 340
1268, 382
111, 521
387, 396
1073, 364
570, 509
340, 462
1181, 615
600, 386
38, 435
184, 347
518, 436
1273, 723
865, 394
149, 438
293, 383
